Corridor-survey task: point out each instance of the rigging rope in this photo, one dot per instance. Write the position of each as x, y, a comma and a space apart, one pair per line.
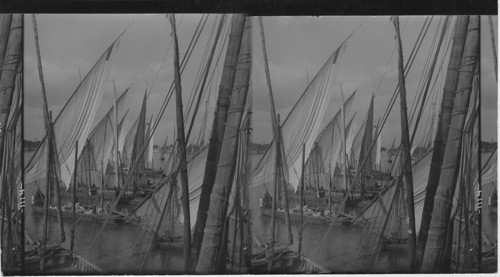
134, 164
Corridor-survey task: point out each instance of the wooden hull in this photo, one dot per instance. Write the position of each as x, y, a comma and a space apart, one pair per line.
83, 196
284, 261
314, 202
400, 246
175, 244
320, 220
58, 261
68, 215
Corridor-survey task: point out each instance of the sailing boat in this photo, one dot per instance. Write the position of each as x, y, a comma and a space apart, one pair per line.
95, 156
20, 253
301, 126
317, 179
275, 258
463, 247
13, 246
91, 171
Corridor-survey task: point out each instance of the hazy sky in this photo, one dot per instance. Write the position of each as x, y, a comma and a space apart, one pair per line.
297, 48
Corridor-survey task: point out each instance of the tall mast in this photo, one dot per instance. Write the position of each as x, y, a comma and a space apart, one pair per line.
479, 164
248, 238
50, 139
301, 226
277, 136
493, 45
282, 182
40, 75
5, 21
442, 129
329, 188
22, 193
137, 155
205, 76
115, 138
344, 143
406, 156
431, 71
10, 62
182, 150
46, 202
72, 243
11, 36
453, 146
218, 128
210, 252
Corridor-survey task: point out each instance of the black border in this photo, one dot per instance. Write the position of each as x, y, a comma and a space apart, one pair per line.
256, 7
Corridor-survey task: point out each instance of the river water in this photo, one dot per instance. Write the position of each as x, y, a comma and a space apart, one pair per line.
112, 249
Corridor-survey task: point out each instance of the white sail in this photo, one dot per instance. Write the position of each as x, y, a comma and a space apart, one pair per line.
149, 209
350, 135
122, 129
356, 145
301, 126
489, 171
148, 154
73, 123
129, 143
122, 125
100, 142
420, 177
377, 152
366, 155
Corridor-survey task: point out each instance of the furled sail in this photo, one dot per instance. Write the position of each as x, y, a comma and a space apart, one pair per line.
11, 162
301, 125
74, 122
11, 167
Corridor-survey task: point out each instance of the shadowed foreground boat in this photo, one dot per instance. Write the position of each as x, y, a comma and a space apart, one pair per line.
284, 261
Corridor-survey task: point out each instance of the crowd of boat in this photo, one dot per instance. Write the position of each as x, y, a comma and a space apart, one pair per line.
331, 176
